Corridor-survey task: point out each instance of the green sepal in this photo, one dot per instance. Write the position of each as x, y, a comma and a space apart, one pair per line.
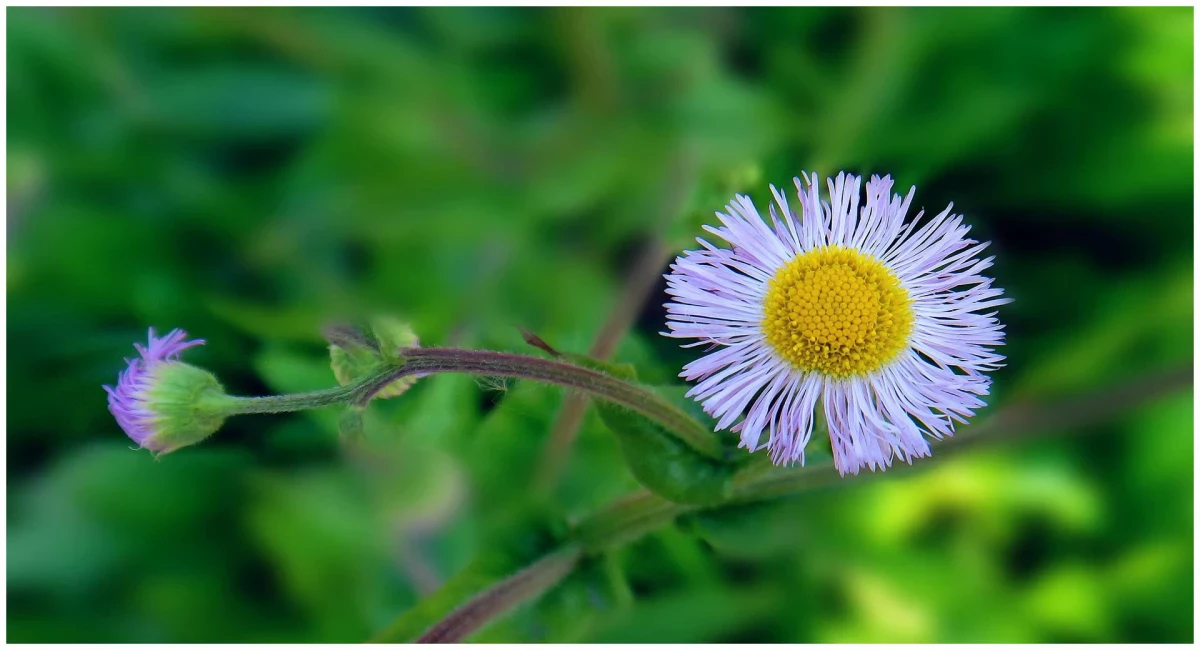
188, 403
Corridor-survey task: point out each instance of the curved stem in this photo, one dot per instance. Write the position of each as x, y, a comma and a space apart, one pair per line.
424, 361
518, 366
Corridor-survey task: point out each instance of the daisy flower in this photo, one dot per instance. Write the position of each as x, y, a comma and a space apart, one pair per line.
883, 322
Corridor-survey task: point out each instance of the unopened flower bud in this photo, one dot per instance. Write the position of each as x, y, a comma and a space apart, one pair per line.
164, 404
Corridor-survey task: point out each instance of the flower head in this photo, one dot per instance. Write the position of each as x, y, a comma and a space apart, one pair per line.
883, 321
162, 403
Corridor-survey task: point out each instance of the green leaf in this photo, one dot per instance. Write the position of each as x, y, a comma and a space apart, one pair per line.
656, 457
663, 464
755, 531
241, 102
705, 615
320, 537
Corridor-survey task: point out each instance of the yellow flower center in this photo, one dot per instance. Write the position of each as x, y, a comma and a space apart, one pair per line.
837, 311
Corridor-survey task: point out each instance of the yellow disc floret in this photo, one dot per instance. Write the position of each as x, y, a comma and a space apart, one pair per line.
837, 311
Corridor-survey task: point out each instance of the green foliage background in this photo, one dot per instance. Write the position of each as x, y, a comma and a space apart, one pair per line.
247, 174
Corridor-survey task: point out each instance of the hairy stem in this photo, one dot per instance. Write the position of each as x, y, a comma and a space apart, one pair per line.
358, 393
422, 361
295, 402
517, 366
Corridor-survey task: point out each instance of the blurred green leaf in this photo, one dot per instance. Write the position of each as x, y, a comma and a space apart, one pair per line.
321, 539
662, 463
242, 102
700, 616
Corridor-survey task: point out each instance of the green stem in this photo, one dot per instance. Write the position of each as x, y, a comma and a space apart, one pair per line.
552, 371
295, 402
350, 394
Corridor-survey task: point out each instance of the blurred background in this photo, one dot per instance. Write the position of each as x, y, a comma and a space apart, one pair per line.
248, 174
